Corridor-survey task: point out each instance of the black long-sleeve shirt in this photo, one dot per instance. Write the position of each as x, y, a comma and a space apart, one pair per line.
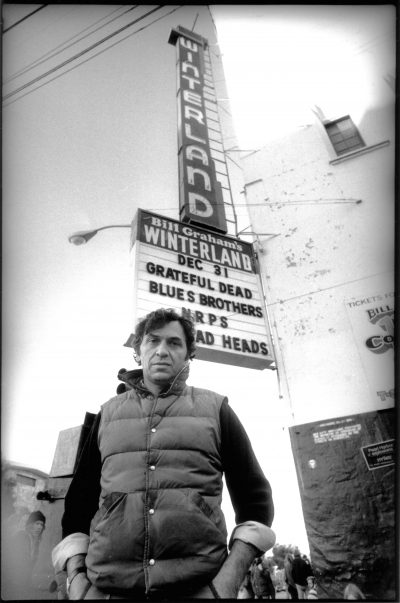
249, 490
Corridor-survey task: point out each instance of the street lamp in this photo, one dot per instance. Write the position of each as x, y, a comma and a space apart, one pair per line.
83, 236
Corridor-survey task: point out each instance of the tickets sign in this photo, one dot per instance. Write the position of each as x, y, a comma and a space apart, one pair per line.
372, 322
210, 277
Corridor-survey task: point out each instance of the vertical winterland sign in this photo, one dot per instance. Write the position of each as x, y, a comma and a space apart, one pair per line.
211, 277
200, 194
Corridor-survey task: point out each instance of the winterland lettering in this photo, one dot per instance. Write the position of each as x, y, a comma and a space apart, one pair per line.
203, 245
200, 190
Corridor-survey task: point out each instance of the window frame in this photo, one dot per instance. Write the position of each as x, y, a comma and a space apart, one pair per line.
339, 141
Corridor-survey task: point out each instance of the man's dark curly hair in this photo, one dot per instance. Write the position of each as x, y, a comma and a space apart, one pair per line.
159, 318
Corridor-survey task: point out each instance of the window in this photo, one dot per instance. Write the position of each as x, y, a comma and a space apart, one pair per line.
344, 135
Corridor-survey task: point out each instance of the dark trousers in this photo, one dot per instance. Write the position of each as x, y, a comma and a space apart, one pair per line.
292, 590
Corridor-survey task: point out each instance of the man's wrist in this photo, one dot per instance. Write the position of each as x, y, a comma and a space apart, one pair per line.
77, 570
214, 590
75, 562
232, 572
75, 565
76, 585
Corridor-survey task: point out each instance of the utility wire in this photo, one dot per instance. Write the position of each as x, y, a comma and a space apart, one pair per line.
233, 161
93, 56
224, 108
356, 280
212, 19
195, 21
64, 45
77, 56
23, 18
365, 46
316, 201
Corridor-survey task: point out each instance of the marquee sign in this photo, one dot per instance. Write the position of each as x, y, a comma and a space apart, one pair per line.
200, 193
212, 278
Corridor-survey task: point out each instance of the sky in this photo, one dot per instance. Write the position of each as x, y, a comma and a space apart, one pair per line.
291, 58
97, 142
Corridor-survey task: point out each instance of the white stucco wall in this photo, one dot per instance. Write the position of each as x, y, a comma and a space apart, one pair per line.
328, 250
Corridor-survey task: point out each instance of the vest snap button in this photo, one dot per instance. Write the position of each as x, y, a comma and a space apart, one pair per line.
151, 562
154, 430
151, 511
152, 467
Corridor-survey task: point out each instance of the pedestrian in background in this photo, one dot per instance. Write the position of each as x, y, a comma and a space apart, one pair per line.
143, 514
278, 579
300, 572
311, 592
246, 589
22, 557
291, 585
353, 593
261, 580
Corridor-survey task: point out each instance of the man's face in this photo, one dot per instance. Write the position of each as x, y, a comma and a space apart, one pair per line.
163, 353
36, 528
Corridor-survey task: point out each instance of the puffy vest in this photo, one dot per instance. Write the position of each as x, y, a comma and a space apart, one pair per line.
159, 527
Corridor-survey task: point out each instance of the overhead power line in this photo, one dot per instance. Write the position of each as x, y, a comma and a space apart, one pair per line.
282, 203
93, 56
68, 43
79, 54
212, 19
24, 18
195, 21
372, 42
335, 286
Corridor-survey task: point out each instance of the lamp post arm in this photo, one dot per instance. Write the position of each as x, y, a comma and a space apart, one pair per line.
83, 236
113, 226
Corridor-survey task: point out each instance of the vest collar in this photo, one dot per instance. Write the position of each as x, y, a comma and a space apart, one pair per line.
134, 380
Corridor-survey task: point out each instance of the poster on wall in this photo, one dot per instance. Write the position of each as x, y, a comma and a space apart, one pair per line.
346, 473
372, 323
212, 278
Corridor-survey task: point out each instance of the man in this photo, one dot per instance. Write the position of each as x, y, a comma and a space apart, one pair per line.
311, 592
291, 585
21, 554
300, 572
261, 580
142, 515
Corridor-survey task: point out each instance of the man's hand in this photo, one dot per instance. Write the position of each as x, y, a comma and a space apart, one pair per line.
233, 571
77, 581
79, 586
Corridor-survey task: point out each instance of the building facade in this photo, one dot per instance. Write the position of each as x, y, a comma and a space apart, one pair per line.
20, 486
329, 257
325, 195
